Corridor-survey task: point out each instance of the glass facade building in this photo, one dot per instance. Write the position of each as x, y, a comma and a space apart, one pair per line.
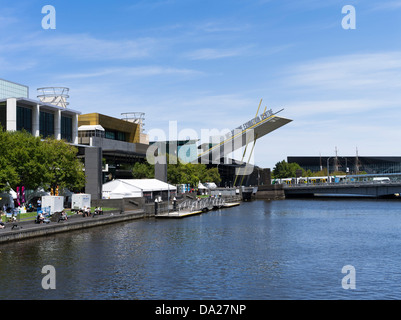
10, 89
24, 119
66, 128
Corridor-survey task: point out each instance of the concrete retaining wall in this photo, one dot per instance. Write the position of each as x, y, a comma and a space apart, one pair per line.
272, 192
32, 231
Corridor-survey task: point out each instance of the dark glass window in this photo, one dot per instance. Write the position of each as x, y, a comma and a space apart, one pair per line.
115, 135
46, 124
110, 135
120, 136
24, 119
3, 115
66, 128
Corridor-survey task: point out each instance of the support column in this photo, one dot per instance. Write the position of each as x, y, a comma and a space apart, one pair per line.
93, 171
75, 129
57, 124
35, 121
11, 114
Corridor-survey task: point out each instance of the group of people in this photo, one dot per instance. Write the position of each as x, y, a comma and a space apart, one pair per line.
86, 211
40, 218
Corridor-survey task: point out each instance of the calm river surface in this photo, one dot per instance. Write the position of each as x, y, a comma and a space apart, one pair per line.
290, 249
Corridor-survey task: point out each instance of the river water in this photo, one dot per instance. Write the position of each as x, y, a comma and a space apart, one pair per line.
289, 249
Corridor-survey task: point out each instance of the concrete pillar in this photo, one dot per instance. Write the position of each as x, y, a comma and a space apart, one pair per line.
11, 114
93, 171
57, 124
35, 120
75, 129
161, 168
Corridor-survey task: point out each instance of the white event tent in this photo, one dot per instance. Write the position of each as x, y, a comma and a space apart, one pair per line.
133, 188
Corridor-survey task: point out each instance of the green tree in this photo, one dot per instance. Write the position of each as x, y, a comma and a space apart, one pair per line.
283, 169
25, 153
178, 173
30, 162
212, 175
8, 174
64, 169
143, 170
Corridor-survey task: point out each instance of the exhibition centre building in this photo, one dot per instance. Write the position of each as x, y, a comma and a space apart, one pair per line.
110, 146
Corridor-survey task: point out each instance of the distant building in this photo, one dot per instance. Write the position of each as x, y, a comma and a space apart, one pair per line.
19, 112
10, 89
108, 146
349, 164
121, 142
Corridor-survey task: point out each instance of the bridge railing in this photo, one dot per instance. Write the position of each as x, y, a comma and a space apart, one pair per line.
199, 204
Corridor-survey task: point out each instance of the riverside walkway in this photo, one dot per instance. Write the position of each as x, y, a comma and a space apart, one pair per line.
28, 229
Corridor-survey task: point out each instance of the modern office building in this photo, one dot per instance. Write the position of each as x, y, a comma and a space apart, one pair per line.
100, 139
120, 141
19, 112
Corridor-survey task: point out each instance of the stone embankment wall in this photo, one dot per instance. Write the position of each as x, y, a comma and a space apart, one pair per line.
271, 192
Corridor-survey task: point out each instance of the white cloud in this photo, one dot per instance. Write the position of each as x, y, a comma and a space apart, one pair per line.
387, 5
82, 46
350, 72
212, 53
143, 71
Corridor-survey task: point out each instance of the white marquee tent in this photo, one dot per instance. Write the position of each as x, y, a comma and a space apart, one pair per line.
132, 188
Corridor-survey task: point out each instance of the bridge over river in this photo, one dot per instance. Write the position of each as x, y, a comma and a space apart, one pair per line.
373, 186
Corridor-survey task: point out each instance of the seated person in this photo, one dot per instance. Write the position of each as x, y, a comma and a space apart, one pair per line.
99, 210
2, 226
40, 218
63, 216
86, 212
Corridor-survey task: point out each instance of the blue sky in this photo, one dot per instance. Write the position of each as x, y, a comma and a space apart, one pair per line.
207, 64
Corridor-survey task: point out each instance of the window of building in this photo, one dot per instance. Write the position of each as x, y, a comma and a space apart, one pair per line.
66, 128
24, 119
120, 136
46, 124
110, 135
3, 115
12, 90
115, 135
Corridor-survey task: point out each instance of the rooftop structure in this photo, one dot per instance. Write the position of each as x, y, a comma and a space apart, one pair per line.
10, 89
54, 95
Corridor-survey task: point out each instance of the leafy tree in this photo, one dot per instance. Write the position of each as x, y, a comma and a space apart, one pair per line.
142, 170
178, 173
26, 155
64, 169
30, 162
8, 174
283, 169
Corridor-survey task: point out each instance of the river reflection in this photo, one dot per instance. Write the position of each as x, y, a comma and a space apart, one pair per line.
290, 249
